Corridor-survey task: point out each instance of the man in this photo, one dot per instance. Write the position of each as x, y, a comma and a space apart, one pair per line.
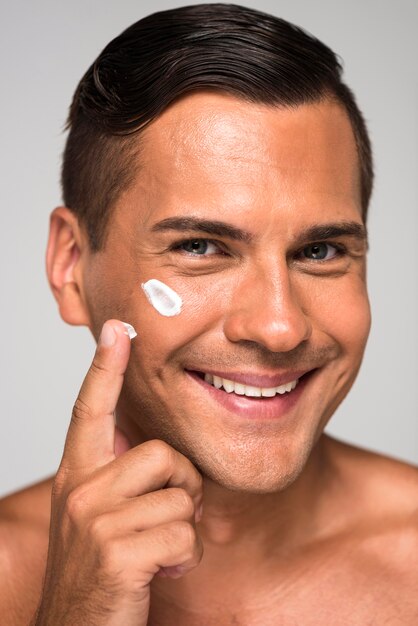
213, 149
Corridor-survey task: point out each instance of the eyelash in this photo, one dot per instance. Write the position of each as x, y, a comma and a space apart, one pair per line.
176, 246
340, 249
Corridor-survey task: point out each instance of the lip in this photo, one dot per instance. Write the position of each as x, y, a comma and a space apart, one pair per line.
255, 409
258, 380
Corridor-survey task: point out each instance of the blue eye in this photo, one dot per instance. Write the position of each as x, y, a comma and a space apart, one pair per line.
199, 247
320, 251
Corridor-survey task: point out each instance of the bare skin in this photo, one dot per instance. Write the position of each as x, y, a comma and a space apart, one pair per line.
297, 528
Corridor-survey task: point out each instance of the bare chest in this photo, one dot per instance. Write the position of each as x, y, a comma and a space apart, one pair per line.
338, 595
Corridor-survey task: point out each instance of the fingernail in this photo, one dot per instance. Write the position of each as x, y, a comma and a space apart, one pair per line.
176, 571
199, 513
130, 330
161, 572
107, 336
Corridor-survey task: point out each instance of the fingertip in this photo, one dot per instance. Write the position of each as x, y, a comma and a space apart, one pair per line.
111, 329
176, 571
107, 336
199, 513
129, 330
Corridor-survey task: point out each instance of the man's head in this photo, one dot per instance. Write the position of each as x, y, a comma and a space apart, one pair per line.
251, 55
245, 190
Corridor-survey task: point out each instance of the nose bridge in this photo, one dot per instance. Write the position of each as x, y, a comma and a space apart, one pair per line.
266, 308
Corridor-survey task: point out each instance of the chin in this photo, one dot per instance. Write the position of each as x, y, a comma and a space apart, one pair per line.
247, 473
256, 484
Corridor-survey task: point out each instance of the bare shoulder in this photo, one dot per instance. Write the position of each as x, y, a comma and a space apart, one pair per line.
388, 484
383, 495
24, 527
378, 530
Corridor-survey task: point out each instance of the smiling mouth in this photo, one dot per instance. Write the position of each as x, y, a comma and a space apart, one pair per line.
254, 395
250, 391
251, 385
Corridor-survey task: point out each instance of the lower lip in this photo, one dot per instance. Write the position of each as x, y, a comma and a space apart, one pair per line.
254, 408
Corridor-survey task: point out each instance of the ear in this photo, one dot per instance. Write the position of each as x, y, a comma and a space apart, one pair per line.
66, 243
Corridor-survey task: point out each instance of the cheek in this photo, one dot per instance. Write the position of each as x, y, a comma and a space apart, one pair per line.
340, 308
160, 335
108, 291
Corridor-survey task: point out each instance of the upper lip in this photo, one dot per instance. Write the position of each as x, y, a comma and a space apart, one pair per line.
258, 380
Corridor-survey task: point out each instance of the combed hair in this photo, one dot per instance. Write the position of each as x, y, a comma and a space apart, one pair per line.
254, 56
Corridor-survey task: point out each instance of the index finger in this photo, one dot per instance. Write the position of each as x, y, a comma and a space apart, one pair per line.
91, 433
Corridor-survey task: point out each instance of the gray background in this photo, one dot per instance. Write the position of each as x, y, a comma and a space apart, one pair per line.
46, 46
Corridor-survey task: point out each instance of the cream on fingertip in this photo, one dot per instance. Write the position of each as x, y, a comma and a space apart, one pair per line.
130, 330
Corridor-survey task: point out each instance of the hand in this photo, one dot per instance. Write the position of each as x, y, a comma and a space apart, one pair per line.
116, 521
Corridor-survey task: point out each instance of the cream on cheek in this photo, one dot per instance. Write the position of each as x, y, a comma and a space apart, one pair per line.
164, 299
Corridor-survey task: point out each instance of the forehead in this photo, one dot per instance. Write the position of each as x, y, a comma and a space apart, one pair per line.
215, 149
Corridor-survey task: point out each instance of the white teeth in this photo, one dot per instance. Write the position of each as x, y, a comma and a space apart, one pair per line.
249, 390
228, 385
217, 382
239, 389
252, 392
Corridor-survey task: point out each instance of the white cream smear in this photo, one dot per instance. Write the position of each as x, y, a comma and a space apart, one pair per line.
130, 330
164, 299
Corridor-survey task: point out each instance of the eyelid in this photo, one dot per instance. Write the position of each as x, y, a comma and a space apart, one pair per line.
176, 245
340, 248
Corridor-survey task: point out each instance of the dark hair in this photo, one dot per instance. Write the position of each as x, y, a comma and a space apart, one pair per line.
252, 55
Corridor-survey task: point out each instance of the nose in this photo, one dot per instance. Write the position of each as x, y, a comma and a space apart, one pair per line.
266, 308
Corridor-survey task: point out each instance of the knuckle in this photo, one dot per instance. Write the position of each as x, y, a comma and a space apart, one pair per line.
162, 453
97, 368
81, 410
182, 501
77, 503
98, 529
184, 535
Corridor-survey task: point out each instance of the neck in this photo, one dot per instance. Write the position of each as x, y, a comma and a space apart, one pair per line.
251, 541
272, 521
262, 522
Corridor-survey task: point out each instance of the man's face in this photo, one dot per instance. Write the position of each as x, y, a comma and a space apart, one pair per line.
264, 303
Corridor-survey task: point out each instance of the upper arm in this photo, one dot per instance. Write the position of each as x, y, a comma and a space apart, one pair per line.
21, 574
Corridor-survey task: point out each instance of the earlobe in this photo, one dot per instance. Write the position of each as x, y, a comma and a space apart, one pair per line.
63, 266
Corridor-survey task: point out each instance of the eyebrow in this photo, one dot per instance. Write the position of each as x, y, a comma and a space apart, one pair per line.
337, 229
212, 227
223, 229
